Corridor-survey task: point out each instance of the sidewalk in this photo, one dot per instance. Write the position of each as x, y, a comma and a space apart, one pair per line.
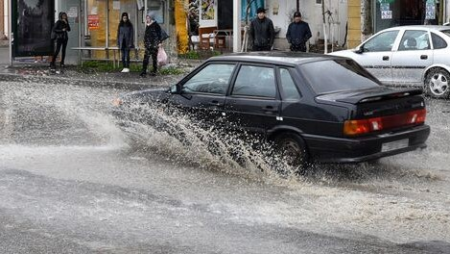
40, 72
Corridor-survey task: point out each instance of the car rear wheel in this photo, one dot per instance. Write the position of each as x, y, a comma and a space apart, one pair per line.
437, 84
293, 151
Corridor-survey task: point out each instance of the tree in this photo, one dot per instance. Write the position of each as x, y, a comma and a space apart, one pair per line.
366, 19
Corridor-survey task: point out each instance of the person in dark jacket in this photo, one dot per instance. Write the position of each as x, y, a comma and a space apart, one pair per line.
125, 40
262, 31
60, 31
298, 33
152, 42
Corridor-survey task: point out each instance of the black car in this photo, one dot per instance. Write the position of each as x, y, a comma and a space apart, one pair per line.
317, 108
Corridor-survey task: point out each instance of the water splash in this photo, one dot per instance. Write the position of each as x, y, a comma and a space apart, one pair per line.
183, 138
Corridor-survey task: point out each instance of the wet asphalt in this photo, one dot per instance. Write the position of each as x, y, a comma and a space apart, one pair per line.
70, 182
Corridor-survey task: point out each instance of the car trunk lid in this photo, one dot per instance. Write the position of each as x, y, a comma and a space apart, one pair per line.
368, 95
379, 109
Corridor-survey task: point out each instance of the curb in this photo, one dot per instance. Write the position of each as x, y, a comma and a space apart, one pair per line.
80, 82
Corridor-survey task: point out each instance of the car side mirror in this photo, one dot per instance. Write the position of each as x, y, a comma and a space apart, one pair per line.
360, 50
174, 89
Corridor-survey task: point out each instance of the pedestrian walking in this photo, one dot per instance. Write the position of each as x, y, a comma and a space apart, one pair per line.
262, 31
298, 33
60, 34
125, 40
152, 41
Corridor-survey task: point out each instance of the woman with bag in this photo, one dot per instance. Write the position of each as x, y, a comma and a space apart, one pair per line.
125, 40
59, 33
153, 38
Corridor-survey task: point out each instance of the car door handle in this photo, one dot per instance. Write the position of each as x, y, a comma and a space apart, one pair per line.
270, 109
215, 103
385, 58
423, 57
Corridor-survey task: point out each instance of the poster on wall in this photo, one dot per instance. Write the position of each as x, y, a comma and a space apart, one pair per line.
430, 10
249, 8
208, 10
386, 12
93, 21
32, 24
208, 14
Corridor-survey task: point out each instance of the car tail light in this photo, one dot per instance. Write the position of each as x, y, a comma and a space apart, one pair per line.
363, 126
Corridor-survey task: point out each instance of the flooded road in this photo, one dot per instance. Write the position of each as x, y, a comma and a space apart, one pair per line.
70, 180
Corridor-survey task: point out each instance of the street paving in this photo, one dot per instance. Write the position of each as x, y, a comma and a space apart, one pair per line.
71, 182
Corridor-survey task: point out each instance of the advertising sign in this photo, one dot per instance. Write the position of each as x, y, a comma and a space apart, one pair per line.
93, 21
32, 23
430, 10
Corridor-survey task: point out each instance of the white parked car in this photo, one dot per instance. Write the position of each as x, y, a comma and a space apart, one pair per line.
408, 55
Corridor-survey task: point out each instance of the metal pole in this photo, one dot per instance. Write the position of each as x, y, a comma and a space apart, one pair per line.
237, 25
10, 33
298, 5
107, 28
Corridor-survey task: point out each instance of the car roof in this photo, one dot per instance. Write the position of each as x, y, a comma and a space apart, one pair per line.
427, 27
274, 57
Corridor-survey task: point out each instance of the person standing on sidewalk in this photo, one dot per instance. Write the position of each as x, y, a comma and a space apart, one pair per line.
152, 42
298, 33
61, 36
125, 40
262, 31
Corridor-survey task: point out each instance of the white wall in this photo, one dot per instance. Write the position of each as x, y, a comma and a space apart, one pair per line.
6, 17
311, 13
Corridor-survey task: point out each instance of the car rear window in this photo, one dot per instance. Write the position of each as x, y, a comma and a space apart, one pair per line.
446, 32
337, 75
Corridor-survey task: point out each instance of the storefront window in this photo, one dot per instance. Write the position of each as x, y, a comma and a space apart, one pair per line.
102, 18
390, 13
96, 24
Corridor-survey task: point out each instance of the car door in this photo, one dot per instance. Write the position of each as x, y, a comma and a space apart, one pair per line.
412, 57
376, 54
203, 94
253, 103
297, 110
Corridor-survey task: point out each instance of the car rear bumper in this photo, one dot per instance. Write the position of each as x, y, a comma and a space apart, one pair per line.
354, 150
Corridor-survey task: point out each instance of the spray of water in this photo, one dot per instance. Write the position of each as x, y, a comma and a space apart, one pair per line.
169, 132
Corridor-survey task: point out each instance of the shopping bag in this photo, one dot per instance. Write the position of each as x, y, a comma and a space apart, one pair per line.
162, 57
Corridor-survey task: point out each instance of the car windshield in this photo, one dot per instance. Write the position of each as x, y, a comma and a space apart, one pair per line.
340, 75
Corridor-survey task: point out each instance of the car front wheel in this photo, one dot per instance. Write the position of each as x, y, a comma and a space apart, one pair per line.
293, 151
437, 84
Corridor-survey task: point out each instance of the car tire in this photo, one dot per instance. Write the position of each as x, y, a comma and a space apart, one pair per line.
293, 149
437, 84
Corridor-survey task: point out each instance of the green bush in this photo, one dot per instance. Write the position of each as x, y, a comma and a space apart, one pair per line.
190, 55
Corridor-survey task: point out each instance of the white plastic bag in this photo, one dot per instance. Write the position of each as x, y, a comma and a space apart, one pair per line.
162, 57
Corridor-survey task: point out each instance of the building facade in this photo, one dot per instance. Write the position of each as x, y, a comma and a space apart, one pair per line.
218, 15
341, 22
366, 17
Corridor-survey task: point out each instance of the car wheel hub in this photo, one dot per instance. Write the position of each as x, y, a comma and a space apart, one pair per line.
292, 153
439, 84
